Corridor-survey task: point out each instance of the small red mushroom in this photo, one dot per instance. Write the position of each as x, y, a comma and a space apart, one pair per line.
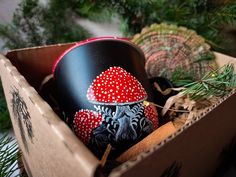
84, 122
151, 113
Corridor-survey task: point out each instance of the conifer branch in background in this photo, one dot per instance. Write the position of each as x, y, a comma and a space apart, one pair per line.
206, 17
36, 24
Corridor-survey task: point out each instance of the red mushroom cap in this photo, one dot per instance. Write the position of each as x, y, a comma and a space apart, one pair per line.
116, 86
84, 122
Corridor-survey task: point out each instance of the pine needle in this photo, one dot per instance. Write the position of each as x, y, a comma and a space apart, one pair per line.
215, 83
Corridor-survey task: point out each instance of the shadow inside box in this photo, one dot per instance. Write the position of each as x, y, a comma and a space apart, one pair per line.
226, 170
230, 35
227, 166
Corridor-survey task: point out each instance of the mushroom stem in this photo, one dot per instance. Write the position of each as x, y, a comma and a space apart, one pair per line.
120, 111
126, 130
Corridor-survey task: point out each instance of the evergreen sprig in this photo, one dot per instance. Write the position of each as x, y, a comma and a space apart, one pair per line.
9, 155
182, 77
215, 83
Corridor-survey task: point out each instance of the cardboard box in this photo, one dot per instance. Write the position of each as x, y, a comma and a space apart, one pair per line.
50, 148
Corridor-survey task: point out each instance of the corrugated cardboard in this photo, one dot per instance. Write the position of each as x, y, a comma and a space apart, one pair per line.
51, 149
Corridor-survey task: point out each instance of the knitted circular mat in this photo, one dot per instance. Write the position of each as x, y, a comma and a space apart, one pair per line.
169, 49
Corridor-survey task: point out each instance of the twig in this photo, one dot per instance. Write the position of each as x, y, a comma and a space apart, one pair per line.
105, 155
146, 103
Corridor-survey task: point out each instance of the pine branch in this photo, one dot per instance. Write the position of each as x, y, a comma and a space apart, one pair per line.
226, 14
182, 77
9, 156
215, 83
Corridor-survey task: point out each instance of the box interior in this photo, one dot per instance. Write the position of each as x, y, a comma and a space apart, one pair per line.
36, 63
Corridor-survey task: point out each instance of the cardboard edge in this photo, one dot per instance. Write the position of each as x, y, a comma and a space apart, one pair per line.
38, 47
87, 159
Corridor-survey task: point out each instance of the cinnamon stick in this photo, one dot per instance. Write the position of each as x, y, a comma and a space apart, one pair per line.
150, 141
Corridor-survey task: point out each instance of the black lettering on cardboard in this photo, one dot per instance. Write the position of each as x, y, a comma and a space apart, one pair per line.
22, 116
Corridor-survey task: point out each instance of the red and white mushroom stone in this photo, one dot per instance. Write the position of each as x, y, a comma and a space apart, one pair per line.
84, 122
116, 86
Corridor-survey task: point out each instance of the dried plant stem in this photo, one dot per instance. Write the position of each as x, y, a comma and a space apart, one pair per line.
105, 155
146, 103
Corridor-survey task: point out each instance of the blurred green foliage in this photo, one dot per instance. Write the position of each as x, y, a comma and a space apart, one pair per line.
207, 17
5, 122
35, 23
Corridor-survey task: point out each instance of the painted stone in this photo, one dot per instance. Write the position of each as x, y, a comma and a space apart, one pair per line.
102, 86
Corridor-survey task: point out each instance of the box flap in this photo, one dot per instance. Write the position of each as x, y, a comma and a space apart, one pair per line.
36, 63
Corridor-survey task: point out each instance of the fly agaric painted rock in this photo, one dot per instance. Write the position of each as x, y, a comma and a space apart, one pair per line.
117, 87
84, 122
